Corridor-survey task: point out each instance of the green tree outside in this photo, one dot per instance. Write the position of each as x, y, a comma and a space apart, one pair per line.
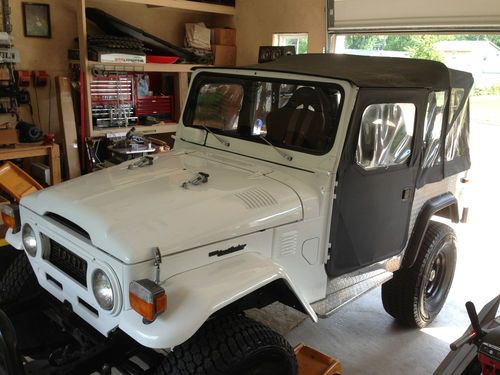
418, 46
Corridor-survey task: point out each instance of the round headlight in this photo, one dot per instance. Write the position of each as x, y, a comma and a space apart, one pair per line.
29, 240
103, 291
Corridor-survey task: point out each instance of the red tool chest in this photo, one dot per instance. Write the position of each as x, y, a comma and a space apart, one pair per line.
157, 106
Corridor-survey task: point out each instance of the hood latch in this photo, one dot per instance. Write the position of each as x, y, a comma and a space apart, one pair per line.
142, 162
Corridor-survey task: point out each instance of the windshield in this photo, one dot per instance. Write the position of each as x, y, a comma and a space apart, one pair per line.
288, 114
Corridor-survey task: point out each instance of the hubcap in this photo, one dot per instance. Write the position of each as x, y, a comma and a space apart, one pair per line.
433, 275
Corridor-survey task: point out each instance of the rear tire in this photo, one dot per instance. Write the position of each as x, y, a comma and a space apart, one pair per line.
231, 345
416, 295
18, 282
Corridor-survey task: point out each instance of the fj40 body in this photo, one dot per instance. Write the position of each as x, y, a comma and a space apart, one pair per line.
309, 180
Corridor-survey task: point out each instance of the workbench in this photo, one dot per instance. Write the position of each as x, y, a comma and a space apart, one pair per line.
26, 151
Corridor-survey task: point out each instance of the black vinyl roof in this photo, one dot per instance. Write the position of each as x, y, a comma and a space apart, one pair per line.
368, 71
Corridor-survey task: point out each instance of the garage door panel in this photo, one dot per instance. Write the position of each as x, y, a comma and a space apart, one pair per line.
392, 13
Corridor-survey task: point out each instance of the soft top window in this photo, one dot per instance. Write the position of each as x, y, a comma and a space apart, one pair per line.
288, 114
432, 129
457, 139
386, 134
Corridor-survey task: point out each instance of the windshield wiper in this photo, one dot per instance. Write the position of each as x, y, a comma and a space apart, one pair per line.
282, 153
218, 137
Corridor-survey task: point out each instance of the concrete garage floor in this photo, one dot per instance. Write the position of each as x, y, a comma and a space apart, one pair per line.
367, 340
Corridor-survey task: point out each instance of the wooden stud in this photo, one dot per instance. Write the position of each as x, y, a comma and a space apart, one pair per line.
68, 125
181, 84
55, 165
84, 64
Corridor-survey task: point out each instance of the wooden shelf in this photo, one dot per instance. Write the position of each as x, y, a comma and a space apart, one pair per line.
161, 68
187, 5
145, 129
179, 72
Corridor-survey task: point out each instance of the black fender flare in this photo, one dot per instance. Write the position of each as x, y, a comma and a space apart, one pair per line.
445, 205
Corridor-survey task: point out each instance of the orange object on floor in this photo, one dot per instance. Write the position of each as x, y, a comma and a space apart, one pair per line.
313, 362
16, 182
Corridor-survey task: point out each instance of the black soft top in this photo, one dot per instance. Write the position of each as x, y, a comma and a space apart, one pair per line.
368, 71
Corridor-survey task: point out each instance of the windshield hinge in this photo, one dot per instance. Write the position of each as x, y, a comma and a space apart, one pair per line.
335, 186
157, 263
197, 179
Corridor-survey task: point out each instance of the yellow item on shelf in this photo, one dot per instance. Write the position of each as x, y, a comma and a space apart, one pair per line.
16, 182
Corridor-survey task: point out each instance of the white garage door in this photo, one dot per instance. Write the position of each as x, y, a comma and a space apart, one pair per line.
418, 15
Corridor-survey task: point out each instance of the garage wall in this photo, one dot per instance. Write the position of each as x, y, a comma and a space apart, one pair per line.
45, 54
51, 54
356, 13
257, 20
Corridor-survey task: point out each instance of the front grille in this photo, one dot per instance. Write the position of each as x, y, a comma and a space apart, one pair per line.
68, 262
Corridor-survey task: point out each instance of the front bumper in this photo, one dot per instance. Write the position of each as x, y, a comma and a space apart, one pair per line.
66, 345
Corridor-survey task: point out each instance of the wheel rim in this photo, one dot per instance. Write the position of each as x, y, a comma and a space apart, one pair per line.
437, 281
436, 277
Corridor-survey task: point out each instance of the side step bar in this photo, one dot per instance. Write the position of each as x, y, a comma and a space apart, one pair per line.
344, 289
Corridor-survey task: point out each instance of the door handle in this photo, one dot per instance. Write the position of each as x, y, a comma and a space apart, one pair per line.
405, 196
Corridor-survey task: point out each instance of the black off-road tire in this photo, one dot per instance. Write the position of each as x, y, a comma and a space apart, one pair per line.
7, 255
230, 345
18, 281
416, 295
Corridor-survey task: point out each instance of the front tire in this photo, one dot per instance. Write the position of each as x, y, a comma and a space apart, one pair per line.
231, 345
416, 295
18, 282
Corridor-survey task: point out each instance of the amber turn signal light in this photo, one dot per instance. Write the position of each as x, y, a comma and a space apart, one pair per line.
147, 298
10, 217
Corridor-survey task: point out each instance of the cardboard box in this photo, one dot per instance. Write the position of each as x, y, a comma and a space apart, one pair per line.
8, 137
4, 74
224, 37
224, 55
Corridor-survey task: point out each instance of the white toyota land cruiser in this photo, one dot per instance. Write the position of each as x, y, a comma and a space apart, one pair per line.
309, 180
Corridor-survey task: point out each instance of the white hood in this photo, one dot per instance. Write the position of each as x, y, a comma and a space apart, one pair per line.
129, 212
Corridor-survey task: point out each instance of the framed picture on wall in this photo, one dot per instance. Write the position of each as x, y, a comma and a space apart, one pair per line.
36, 20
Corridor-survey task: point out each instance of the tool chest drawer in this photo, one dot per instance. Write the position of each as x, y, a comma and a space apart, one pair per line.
153, 105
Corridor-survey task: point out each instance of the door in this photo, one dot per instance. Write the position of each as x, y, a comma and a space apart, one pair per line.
376, 179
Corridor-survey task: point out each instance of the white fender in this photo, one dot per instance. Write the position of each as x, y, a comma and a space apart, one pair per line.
193, 296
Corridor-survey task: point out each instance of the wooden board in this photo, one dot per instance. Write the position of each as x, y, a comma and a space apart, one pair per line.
313, 362
68, 123
188, 5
